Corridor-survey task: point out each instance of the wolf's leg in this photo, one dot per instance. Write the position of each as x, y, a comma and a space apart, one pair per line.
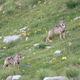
9, 65
4, 66
64, 34
60, 35
50, 34
47, 38
14, 65
18, 65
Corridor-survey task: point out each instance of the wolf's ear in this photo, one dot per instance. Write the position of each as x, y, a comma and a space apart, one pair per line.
59, 20
63, 19
16, 53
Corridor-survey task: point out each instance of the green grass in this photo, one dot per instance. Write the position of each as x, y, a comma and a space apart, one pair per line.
38, 17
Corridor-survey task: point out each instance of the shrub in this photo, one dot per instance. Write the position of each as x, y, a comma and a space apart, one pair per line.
11, 44
33, 1
10, 11
29, 3
2, 1
42, 73
72, 73
42, 46
71, 4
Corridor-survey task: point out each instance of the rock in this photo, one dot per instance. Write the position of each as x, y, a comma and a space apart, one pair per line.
0, 8
48, 47
57, 52
23, 28
9, 78
26, 65
13, 77
76, 18
16, 77
26, 38
55, 78
36, 44
52, 23
0, 37
10, 38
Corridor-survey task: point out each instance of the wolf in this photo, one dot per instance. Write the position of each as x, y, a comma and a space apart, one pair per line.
58, 29
12, 60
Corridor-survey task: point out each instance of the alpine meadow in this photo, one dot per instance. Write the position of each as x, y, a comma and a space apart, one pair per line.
24, 27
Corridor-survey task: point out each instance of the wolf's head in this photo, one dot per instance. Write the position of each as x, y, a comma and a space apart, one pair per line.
62, 23
18, 55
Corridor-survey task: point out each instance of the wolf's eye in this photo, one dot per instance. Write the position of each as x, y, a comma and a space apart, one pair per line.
62, 24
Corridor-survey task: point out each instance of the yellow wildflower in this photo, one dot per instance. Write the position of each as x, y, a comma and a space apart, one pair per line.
44, 28
24, 34
27, 33
64, 48
34, 19
23, 57
28, 22
39, 29
67, 16
22, 31
39, 2
54, 59
35, 31
46, 31
5, 47
50, 40
70, 44
46, 18
51, 50
44, 2
64, 58
38, 46
28, 28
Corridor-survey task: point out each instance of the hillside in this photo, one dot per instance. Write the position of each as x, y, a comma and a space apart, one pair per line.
32, 19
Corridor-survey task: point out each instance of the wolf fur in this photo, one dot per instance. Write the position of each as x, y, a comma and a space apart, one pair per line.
58, 29
12, 60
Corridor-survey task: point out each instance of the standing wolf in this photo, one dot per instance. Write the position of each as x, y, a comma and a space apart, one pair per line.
12, 60
58, 29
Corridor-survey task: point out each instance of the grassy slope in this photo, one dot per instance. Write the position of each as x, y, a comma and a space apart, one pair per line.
38, 21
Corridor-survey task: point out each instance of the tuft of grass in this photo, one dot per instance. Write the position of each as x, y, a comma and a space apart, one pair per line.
10, 11
11, 44
71, 4
72, 73
42, 73
2, 1
42, 46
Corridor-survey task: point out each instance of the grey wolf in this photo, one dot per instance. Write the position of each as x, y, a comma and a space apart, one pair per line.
12, 60
58, 29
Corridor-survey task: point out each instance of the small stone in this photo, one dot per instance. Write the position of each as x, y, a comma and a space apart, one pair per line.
57, 52
26, 38
36, 44
48, 47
